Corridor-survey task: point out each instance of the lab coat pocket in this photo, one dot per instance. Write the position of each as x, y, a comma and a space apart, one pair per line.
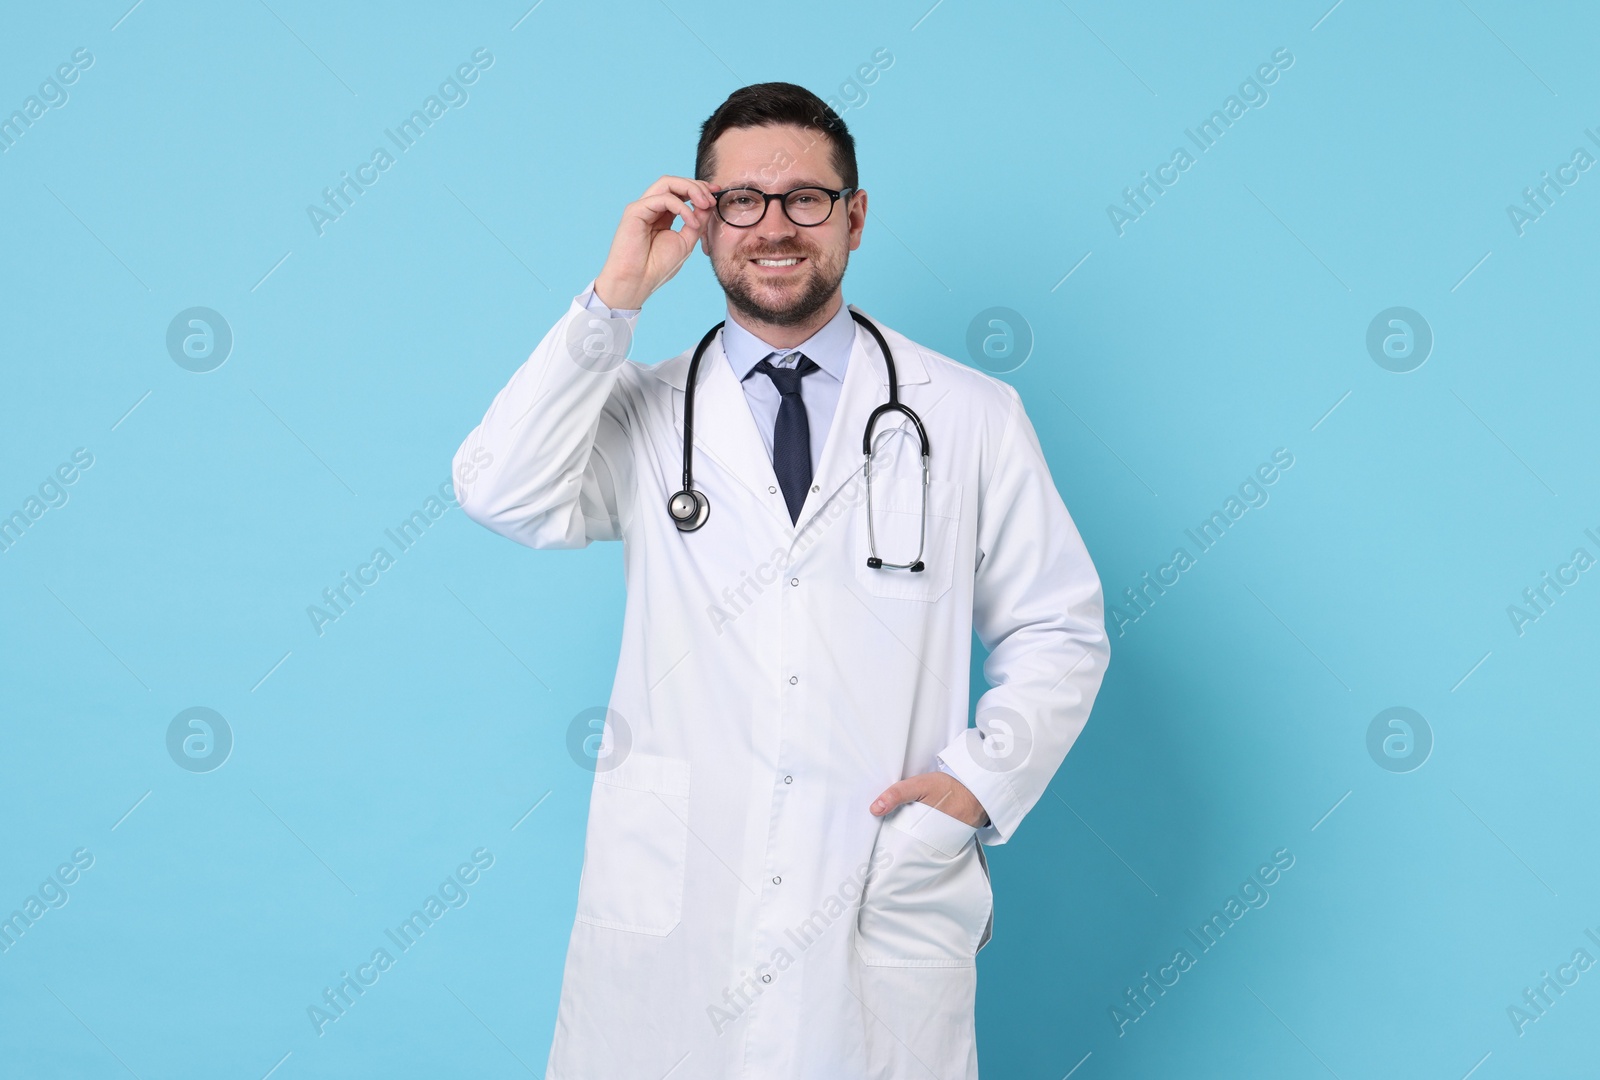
637, 841
896, 534
928, 904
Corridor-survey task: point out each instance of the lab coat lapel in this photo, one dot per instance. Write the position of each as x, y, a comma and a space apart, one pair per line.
724, 430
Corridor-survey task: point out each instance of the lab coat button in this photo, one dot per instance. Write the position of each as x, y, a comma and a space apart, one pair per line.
778, 880
793, 679
794, 581
788, 779
766, 978
771, 489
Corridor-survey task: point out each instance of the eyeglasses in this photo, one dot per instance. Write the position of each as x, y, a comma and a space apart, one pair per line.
742, 207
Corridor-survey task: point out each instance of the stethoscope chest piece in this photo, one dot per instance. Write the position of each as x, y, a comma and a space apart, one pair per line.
688, 509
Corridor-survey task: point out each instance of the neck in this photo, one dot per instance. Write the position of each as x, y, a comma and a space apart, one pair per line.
787, 337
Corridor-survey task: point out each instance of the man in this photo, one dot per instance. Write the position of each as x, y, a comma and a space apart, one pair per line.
783, 875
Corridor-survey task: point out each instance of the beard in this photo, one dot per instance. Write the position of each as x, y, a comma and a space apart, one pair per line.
797, 302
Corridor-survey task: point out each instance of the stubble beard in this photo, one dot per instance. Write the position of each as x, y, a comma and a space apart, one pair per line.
821, 283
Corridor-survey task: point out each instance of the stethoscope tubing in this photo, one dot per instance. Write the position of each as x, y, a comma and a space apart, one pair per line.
689, 508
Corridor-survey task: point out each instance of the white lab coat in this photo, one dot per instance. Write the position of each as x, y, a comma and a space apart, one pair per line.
740, 912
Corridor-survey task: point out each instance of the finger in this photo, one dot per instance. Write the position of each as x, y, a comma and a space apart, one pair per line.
700, 194
696, 217
885, 802
666, 201
694, 223
691, 232
901, 791
652, 207
684, 188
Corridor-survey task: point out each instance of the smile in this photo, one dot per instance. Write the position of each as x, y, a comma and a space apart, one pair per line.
777, 262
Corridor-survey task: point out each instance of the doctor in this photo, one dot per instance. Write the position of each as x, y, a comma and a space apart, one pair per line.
783, 873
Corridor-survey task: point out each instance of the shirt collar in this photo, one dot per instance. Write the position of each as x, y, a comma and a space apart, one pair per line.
829, 348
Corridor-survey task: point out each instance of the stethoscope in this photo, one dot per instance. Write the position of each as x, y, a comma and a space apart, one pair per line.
689, 508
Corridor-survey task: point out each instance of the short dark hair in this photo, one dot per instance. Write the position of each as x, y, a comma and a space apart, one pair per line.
778, 103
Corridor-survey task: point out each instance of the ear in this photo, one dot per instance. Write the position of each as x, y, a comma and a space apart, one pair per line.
858, 217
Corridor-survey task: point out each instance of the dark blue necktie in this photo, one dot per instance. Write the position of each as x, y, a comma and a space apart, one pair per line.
791, 436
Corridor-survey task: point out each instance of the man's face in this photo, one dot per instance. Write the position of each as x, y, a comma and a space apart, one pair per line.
775, 271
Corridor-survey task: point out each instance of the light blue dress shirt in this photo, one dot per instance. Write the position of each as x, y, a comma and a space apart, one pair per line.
829, 348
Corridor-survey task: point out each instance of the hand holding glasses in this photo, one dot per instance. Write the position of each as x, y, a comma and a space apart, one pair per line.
646, 251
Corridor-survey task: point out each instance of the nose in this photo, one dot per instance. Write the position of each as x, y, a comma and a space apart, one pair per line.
774, 223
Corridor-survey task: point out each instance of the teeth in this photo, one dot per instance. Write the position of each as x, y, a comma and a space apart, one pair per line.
776, 262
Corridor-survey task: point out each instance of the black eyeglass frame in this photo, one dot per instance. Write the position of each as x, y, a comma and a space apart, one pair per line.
783, 197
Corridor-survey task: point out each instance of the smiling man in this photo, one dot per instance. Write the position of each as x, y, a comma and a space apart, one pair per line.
783, 868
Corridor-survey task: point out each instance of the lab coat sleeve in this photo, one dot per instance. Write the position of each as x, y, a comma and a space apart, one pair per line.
550, 466
1038, 609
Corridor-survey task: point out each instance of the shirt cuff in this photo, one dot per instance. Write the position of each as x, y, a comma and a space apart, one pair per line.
590, 301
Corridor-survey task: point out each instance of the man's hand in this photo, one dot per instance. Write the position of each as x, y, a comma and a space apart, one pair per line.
938, 789
647, 252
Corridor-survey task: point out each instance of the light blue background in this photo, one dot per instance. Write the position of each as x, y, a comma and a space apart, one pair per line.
425, 723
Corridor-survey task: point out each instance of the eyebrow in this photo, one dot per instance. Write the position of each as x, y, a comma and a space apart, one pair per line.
799, 183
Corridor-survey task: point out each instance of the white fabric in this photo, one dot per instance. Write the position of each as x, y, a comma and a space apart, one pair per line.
740, 912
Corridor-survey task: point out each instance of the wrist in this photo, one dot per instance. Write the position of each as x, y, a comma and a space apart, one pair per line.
616, 296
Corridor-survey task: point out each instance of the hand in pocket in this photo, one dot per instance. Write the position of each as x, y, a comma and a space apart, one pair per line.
929, 904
